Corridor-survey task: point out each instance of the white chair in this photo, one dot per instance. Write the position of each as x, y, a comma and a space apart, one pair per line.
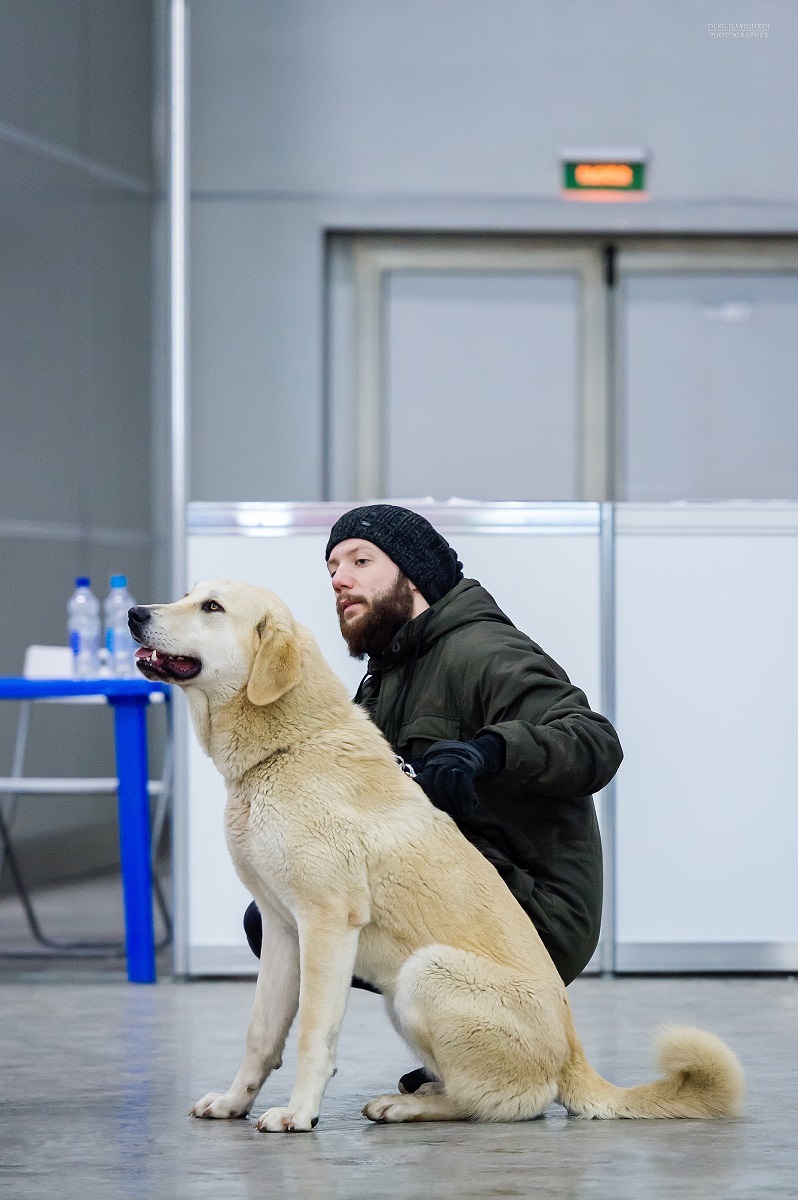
55, 662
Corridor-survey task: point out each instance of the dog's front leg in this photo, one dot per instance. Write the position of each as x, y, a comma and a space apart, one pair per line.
276, 999
327, 950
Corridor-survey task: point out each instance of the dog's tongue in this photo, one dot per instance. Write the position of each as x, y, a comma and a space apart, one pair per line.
182, 666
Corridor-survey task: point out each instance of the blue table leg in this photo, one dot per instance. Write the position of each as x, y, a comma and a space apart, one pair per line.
130, 730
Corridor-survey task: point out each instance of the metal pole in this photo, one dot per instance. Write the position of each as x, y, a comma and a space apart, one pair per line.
178, 284
178, 378
607, 576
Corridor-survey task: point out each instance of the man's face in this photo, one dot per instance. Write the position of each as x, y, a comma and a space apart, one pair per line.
373, 598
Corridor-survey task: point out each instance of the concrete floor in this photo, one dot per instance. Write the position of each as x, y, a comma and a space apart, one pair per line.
98, 1076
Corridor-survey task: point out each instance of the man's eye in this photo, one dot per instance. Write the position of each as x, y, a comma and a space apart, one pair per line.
211, 606
361, 561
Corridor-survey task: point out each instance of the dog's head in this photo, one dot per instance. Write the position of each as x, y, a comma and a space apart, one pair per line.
221, 637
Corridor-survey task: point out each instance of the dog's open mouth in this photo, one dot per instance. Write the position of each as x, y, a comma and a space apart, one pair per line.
154, 664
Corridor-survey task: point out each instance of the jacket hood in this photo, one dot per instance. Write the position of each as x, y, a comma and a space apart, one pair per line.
467, 603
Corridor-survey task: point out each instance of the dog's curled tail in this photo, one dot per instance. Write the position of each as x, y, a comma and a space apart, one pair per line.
702, 1079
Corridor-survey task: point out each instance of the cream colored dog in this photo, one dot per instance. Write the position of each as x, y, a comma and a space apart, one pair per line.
355, 872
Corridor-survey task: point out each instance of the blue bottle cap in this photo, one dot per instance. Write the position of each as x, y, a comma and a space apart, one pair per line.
119, 581
82, 581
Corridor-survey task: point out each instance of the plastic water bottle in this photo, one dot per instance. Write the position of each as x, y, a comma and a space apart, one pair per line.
119, 645
83, 623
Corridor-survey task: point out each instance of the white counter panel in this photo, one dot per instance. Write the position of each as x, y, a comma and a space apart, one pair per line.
707, 709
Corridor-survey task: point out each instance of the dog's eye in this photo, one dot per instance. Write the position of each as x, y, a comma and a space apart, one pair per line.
211, 606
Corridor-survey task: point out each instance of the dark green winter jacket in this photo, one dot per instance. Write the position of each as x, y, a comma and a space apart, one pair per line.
461, 668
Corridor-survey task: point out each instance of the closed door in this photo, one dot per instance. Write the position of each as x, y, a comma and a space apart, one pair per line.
479, 372
708, 359
482, 385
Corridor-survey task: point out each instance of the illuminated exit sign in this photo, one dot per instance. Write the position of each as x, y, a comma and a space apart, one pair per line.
603, 174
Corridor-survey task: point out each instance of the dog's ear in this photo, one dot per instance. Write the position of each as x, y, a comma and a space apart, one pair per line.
277, 664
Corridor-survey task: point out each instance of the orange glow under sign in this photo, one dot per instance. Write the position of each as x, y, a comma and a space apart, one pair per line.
603, 175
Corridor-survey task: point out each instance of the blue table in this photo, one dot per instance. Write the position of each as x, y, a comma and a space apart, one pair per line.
129, 699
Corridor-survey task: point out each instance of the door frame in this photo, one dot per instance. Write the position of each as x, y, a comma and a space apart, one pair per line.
374, 257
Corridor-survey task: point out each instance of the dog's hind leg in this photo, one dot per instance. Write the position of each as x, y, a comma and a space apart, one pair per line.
276, 1000
426, 1106
495, 1039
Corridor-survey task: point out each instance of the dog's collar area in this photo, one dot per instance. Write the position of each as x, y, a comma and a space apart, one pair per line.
155, 664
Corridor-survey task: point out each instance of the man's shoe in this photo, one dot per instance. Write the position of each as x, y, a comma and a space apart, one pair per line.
413, 1080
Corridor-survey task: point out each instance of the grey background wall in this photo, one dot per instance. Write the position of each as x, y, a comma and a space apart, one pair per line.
315, 116
75, 347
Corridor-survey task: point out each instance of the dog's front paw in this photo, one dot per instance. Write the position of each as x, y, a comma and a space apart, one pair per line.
220, 1105
286, 1120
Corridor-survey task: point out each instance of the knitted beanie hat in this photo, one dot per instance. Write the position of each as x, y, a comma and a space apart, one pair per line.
409, 540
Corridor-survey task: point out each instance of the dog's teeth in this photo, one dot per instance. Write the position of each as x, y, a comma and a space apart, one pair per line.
154, 656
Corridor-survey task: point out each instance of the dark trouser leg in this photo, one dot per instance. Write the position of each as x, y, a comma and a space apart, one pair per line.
253, 928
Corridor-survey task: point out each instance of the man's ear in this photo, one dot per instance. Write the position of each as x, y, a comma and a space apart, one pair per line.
277, 664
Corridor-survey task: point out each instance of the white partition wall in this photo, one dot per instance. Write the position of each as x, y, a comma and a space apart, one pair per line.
701, 837
707, 710
541, 562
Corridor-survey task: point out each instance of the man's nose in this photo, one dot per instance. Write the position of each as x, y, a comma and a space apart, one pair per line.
339, 580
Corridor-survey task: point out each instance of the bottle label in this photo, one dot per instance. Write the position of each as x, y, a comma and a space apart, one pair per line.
109, 640
74, 642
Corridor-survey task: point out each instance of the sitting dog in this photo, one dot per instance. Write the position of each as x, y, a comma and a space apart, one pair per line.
355, 872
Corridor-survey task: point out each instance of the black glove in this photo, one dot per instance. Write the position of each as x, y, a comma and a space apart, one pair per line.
449, 770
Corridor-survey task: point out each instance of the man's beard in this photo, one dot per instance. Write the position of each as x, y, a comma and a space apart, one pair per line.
372, 632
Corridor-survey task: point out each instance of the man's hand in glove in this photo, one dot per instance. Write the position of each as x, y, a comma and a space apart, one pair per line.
449, 770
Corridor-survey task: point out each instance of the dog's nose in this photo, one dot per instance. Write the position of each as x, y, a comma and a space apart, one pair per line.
137, 617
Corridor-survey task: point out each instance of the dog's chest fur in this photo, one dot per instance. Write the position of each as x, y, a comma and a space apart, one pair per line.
261, 854
290, 845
